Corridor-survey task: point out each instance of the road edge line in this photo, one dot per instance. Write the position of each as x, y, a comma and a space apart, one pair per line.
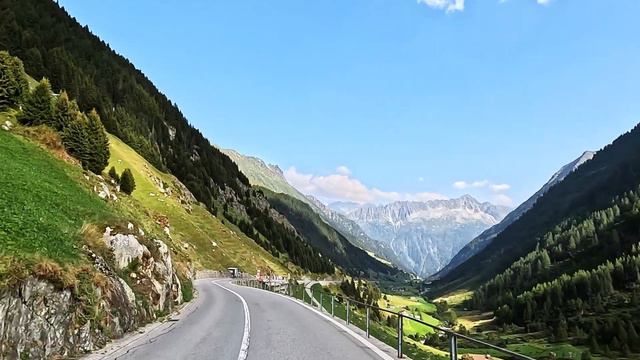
353, 334
244, 347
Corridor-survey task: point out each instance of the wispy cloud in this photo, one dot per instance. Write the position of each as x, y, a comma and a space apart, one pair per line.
502, 199
446, 5
500, 187
342, 186
461, 185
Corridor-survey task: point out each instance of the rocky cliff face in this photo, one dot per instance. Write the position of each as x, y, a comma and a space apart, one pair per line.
40, 319
426, 235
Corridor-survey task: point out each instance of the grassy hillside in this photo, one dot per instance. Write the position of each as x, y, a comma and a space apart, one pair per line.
48, 206
203, 237
43, 205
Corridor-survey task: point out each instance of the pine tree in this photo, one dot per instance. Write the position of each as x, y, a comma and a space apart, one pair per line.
98, 142
113, 174
13, 81
37, 108
634, 340
561, 331
65, 112
76, 140
127, 182
593, 343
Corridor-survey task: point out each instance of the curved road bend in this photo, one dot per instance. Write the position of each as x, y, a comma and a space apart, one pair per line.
214, 328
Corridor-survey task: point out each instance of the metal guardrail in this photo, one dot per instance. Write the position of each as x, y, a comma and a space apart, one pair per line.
452, 335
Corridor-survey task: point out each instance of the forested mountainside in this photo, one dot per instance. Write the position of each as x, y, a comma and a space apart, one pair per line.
271, 177
481, 241
319, 234
613, 170
53, 44
582, 272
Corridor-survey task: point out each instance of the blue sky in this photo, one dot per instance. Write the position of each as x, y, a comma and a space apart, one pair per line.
377, 100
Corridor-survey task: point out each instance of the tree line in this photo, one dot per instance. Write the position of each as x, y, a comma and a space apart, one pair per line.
83, 135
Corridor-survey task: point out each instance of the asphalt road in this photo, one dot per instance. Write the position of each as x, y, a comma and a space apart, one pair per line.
214, 328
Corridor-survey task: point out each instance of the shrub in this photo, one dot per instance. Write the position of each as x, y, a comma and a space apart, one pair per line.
127, 182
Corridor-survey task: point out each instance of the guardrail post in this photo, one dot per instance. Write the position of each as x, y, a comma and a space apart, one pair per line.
400, 332
453, 347
368, 309
348, 308
333, 306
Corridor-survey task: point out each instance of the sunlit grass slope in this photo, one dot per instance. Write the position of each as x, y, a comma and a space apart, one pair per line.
203, 237
42, 204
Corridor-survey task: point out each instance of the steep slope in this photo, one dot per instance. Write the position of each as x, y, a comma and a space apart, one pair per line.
53, 44
270, 177
66, 275
612, 171
426, 235
200, 235
480, 242
264, 175
315, 231
582, 278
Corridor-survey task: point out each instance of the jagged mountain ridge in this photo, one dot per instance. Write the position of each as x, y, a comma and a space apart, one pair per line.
426, 235
356, 235
484, 239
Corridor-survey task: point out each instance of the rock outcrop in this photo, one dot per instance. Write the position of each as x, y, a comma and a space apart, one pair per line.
40, 319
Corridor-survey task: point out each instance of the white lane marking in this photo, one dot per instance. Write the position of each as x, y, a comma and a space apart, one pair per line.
244, 348
355, 335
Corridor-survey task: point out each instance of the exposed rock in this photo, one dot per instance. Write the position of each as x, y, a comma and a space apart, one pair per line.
104, 192
125, 248
39, 320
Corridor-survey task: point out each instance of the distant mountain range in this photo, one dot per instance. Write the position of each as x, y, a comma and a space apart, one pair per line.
426, 235
484, 239
418, 237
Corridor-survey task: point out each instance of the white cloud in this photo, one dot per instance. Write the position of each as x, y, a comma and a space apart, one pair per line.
500, 187
343, 170
461, 185
341, 186
544, 2
421, 179
447, 5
